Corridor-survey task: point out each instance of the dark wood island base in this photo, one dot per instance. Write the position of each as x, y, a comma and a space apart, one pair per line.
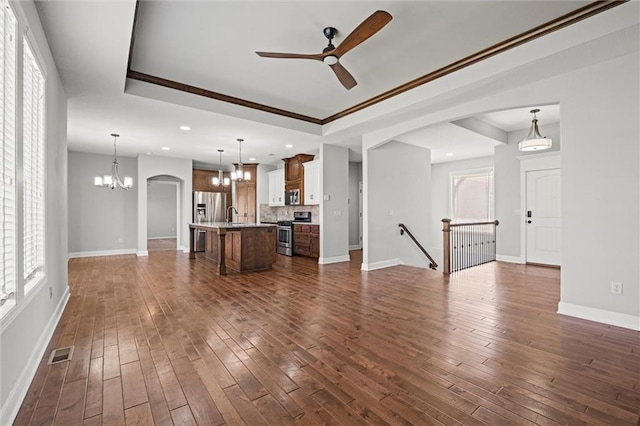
239, 247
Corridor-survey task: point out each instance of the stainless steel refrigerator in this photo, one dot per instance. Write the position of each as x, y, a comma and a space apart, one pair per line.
207, 207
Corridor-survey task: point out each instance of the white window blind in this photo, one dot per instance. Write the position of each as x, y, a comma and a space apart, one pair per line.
33, 167
8, 152
472, 196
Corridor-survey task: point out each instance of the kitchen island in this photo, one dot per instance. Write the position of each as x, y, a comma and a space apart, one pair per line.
241, 247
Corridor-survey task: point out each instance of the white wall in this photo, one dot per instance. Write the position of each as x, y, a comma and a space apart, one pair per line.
26, 330
355, 177
150, 166
104, 220
334, 211
397, 181
161, 208
440, 199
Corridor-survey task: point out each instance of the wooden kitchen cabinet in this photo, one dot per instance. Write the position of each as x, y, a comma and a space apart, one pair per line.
202, 180
306, 239
294, 173
245, 194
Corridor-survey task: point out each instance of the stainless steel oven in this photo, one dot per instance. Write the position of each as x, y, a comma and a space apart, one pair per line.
285, 238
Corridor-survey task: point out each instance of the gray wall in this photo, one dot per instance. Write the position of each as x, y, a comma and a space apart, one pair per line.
355, 177
334, 212
161, 209
102, 220
26, 331
397, 179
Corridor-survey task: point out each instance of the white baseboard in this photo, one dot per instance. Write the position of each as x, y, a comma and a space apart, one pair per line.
184, 249
162, 238
599, 315
102, 253
142, 253
355, 247
334, 259
509, 259
11, 406
380, 265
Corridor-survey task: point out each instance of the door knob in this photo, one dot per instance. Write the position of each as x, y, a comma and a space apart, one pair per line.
528, 221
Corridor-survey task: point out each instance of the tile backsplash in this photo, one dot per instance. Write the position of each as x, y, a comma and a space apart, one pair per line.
274, 214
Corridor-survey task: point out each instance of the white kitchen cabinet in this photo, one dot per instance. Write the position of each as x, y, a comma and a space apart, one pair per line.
276, 187
312, 182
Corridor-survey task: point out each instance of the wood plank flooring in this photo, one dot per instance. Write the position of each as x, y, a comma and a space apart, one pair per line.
162, 340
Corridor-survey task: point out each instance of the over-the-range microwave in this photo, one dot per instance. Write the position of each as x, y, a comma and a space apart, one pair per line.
292, 197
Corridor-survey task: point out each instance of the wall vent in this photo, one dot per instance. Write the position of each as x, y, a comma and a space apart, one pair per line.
60, 355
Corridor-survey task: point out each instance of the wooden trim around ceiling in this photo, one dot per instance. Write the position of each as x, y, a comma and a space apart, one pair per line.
135, 75
522, 38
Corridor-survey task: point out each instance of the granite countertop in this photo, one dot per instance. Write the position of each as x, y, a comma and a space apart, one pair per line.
218, 225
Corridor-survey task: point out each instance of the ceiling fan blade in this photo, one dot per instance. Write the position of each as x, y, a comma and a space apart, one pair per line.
366, 29
316, 56
344, 76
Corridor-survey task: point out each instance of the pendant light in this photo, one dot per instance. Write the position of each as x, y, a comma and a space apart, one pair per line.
220, 179
239, 174
534, 140
112, 181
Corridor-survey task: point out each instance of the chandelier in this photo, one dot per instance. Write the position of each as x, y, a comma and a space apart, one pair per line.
114, 180
220, 179
239, 174
534, 140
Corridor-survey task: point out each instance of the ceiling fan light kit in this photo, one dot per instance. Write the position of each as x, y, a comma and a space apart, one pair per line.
331, 55
534, 140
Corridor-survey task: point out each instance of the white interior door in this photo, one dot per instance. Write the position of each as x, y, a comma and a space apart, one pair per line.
543, 217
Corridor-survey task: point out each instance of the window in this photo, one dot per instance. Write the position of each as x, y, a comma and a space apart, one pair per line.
472, 196
8, 156
33, 168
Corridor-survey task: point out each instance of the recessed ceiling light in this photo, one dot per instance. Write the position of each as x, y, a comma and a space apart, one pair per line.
185, 128
166, 148
449, 154
252, 159
288, 145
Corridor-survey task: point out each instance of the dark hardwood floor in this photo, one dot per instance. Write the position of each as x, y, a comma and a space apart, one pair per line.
162, 340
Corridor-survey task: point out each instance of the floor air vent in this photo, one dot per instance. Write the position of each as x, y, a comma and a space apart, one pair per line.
61, 355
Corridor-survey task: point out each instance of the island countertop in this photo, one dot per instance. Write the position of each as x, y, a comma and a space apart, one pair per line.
241, 247
229, 225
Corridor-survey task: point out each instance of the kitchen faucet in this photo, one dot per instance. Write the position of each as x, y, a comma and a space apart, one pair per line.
228, 218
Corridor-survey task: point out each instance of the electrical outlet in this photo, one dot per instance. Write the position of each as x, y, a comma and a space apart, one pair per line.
616, 287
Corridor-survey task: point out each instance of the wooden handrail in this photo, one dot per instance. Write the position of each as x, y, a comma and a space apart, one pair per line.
493, 222
433, 265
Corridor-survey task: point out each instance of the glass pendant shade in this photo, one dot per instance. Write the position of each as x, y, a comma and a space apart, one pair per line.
112, 181
534, 140
239, 174
220, 179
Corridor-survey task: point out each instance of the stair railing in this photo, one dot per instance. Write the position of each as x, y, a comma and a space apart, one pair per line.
432, 263
467, 244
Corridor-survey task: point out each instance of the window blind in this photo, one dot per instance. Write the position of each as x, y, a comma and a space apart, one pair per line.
472, 196
33, 166
8, 152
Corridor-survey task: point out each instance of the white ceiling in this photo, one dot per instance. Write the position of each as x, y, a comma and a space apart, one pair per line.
211, 45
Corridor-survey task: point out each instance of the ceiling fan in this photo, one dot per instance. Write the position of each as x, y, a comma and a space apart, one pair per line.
331, 55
